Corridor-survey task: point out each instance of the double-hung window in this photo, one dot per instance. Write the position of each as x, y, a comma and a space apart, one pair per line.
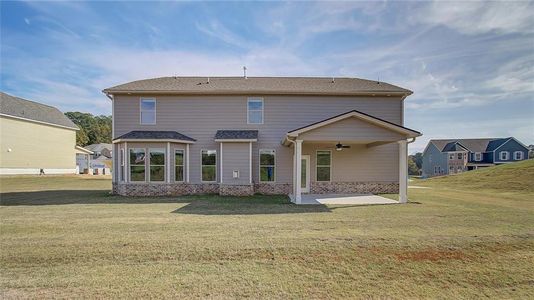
209, 165
324, 165
147, 111
267, 165
157, 164
122, 160
504, 155
518, 155
460, 155
255, 111
478, 156
179, 165
137, 164
451, 156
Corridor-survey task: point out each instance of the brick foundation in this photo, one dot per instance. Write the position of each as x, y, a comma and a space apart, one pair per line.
354, 187
178, 189
236, 190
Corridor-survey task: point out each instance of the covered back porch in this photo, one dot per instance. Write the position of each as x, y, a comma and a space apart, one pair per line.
349, 154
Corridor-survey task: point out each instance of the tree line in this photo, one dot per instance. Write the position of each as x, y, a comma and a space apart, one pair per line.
93, 129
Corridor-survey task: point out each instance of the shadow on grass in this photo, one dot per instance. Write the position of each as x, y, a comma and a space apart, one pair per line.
195, 204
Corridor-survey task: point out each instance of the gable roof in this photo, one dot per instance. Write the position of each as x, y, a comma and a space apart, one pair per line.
29, 110
360, 115
141, 135
248, 135
473, 145
99, 147
454, 146
259, 85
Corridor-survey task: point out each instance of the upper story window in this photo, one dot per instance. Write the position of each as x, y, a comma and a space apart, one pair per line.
147, 111
518, 155
478, 156
255, 111
460, 155
267, 165
504, 155
451, 156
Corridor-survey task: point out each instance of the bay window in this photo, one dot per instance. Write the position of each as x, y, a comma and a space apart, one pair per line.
157, 164
137, 164
179, 165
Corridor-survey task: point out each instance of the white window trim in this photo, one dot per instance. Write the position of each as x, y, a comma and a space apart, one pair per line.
255, 99
150, 165
201, 165
260, 165
501, 155
130, 165
317, 165
183, 165
480, 158
520, 157
141, 110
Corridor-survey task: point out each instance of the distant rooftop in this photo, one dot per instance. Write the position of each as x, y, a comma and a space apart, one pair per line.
474, 145
22, 108
259, 85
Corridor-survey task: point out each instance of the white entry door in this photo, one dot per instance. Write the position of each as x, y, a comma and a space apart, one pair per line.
305, 174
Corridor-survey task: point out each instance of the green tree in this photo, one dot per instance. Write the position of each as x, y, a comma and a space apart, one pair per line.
93, 129
418, 159
412, 167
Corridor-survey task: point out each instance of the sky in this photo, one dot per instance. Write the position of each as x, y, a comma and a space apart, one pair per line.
470, 65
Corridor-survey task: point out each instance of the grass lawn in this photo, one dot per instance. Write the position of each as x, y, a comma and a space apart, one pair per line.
67, 237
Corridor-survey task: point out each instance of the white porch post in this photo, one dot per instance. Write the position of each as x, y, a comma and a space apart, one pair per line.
403, 171
298, 171
168, 171
187, 163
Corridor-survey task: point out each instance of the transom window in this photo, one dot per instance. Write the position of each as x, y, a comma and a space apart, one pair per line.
504, 155
478, 156
324, 165
209, 165
267, 165
518, 155
137, 164
147, 111
157, 164
179, 165
255, 111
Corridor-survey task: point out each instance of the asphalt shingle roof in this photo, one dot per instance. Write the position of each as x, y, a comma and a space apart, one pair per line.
98, 147
258, 85
155, 135
22, 108
236, 135
473, 145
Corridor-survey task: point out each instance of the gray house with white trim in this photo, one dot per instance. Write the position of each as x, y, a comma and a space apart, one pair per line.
453, 156
269, 135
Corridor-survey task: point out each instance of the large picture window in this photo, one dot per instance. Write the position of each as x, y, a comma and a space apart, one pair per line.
137, 164
147, 111
267, 165
255, 111
157, 164
324, 165
179, 165
209, 165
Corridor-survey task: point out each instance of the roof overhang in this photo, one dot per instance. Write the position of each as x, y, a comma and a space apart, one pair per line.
109, 92
235, 140
38, 122
82, 149
407, 132
152, 141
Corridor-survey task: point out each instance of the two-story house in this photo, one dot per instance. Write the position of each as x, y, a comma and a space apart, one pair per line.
452, 156
269, 135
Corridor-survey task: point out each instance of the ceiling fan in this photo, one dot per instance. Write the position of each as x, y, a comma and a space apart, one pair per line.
340, 146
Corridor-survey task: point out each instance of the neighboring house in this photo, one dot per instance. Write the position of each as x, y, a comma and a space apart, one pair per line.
269, 135
452, 156
100, 149
35, 137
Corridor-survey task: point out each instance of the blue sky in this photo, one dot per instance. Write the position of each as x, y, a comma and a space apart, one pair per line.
470, 65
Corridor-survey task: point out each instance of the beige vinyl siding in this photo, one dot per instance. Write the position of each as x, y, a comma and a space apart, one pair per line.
351, 129
36, 145
201, 116
235, 156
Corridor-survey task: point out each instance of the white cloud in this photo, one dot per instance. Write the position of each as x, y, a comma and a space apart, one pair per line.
474, 17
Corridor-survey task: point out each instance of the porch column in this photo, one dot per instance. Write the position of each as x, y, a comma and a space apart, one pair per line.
403, 171
168, 162
298, 171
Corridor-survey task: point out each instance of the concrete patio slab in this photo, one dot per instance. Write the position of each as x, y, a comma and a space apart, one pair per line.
352, 199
